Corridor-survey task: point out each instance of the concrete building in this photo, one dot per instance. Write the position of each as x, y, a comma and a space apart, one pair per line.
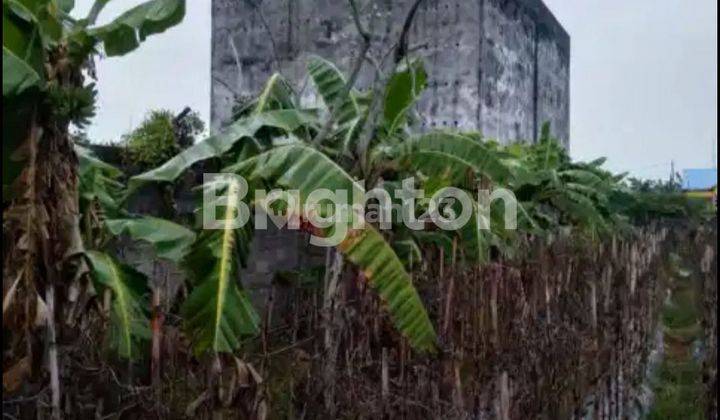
497, 66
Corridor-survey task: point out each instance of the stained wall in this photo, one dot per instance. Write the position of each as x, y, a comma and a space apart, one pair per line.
498, 66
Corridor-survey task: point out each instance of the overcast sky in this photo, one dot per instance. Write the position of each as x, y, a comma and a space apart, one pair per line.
643, 79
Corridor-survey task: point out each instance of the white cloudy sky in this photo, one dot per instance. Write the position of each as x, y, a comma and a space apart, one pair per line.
643, 79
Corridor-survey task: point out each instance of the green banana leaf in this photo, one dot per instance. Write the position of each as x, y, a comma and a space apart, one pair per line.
330, 84
129, 323
99, 181
170, 240
277, 94
17, 74
483, 159
303, 168
219, 144
403, 90
218, 313
369, 250
127, 31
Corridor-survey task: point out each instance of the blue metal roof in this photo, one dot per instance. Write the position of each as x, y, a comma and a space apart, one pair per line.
699, 179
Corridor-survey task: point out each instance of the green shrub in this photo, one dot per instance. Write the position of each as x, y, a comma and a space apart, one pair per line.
153, 142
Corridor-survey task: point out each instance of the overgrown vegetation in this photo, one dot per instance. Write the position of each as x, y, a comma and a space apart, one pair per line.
275, 145
47, 57
67, 228
678, 384
160, 136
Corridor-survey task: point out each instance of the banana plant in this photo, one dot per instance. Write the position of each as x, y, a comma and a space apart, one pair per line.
275, 144
47, 55
129, 289
129, 321
103, 219
302, 167
447, 159
296, 162
218, 312
576, 194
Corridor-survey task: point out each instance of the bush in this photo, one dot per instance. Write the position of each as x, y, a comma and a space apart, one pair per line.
153, 142
160, 136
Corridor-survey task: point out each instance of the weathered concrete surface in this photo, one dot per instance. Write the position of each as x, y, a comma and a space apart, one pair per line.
498, 66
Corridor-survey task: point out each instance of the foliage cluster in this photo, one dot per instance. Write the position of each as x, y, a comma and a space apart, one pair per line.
678, 381
48, 55
275, 143
153, 141
160, 136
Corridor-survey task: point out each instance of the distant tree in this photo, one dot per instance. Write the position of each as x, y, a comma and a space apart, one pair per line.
187, 125
161, 135
656, 185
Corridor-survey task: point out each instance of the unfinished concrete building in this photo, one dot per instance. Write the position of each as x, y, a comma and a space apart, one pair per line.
497, 66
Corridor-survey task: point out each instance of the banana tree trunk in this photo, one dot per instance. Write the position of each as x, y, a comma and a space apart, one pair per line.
42, 224
333, 272
52, 352
156, 325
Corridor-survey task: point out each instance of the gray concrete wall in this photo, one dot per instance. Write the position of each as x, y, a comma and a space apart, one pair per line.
498, 66
273, 251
